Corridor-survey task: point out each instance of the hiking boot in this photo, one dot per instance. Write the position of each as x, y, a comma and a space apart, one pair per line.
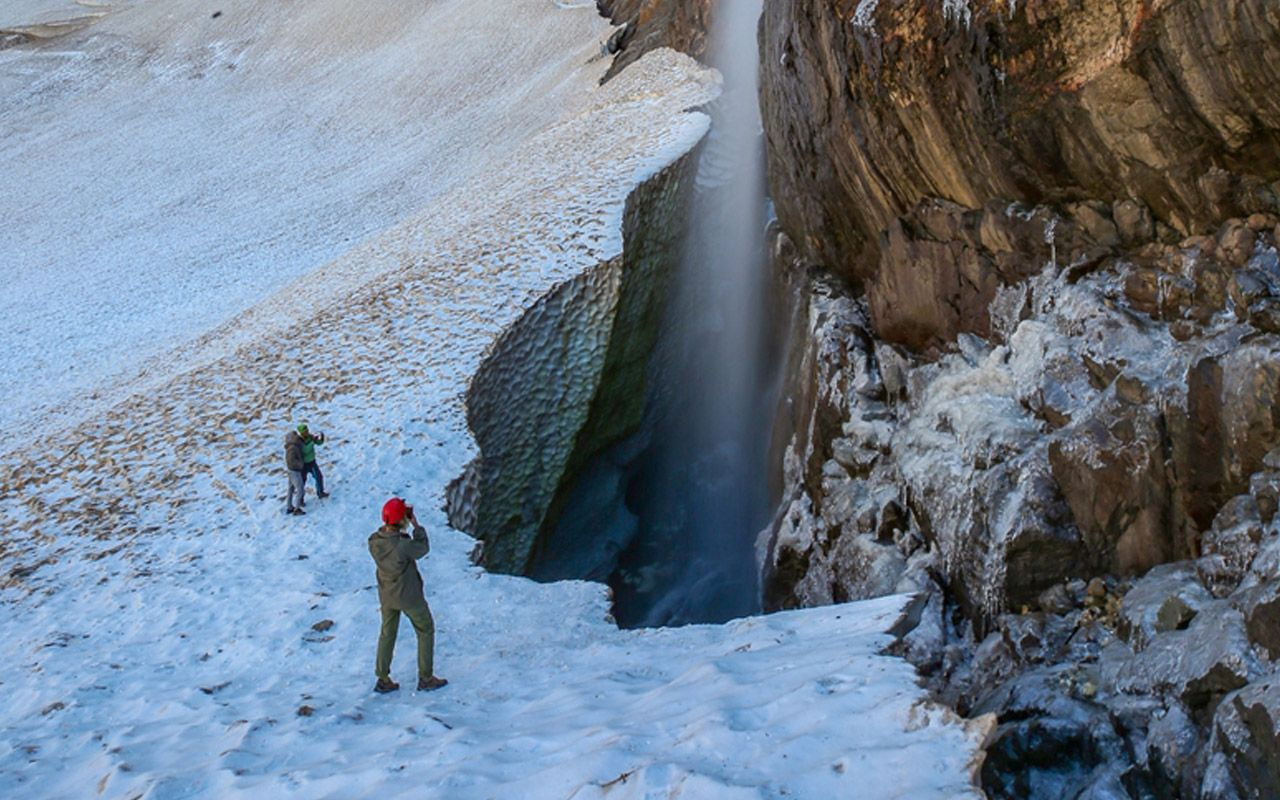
429, 684
322, 494
385, 685
297, 512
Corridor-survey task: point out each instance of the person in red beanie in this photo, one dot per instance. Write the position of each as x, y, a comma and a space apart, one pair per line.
394, 550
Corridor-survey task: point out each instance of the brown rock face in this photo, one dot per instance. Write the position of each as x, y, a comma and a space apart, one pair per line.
649, 24
1169, 102
1110, 470
1229, 424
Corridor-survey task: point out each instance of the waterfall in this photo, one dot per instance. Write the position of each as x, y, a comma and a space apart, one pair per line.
694, 559
669, 517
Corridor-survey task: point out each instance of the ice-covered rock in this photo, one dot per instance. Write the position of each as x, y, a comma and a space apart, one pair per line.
1231, 544
1260, 605
1167, 598
1196, 665
1245, 744
1051, 741
1174, 742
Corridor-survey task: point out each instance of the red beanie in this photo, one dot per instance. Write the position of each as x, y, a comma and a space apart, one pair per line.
393, 511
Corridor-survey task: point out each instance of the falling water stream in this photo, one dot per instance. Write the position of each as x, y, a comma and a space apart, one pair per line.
679, 505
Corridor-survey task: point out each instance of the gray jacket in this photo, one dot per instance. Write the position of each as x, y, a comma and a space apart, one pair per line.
399, 584
293, 452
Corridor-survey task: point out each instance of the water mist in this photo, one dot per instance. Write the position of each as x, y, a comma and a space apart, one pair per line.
669, 517
693, 560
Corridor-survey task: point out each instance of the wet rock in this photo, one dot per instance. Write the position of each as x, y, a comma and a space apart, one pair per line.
1219, 438
1211, 282
1110, 469
1266, 564
1245, 746
1234, 538
1197, 665
1056, 599
927, 290
1028, 635
1260, 606
1177, 297
1234, 245
1264, 314
893, 367
1265, 488
1173, 752
1134, 222
893, 521
1047, 740
1095, 223
925, 644
1132, 391
1167, 598
1246, 289
1260, 223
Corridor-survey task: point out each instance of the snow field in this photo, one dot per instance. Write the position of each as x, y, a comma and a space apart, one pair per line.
158, 606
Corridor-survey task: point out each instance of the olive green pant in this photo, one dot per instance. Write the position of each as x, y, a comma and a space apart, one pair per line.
423, 625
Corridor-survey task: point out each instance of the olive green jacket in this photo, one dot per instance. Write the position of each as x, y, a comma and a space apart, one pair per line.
399, 584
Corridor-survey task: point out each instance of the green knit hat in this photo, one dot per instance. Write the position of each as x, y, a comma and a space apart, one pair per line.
302, 427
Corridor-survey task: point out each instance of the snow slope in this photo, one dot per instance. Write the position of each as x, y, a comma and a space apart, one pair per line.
157, 606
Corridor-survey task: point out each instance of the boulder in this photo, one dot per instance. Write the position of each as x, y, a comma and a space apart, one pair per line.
1246, 288
1166, 599
1245, 744
1227, 425
1265, 488
1110, 469
1235, 244
1050, 741
1134, 222
1173, 752
1266, 565
1260, 606
1196, 665
1231, 543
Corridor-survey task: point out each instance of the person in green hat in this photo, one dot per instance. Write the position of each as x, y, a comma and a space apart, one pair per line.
309, 465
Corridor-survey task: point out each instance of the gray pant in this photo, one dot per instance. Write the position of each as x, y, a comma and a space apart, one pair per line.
296, 478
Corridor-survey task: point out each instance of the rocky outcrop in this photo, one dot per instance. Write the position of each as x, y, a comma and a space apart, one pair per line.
649, 24
566, 381
1044, 391
1151, 118
1245, 747
1093, 440
1095, 436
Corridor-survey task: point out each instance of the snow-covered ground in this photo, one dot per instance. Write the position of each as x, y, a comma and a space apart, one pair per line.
219, 226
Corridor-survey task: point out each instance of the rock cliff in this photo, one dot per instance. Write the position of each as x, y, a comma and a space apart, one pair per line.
1157, 114
1032, 257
